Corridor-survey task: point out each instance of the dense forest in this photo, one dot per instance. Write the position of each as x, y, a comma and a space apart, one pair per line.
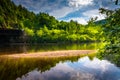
45, 28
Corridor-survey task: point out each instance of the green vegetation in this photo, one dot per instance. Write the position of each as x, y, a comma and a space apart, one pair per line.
42, 28
112, 36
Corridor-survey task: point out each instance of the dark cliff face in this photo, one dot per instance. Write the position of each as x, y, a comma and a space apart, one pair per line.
11, 36
11, 32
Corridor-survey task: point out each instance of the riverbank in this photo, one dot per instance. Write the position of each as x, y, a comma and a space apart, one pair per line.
51, 54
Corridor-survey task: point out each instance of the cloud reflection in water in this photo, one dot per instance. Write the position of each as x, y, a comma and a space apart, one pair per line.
84, 69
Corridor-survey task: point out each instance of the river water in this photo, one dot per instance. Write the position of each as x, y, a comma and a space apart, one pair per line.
73, 68
83, 69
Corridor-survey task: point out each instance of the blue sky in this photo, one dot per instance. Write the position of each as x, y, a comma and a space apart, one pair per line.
77, 10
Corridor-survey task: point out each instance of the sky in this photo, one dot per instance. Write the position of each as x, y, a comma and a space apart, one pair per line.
66, 10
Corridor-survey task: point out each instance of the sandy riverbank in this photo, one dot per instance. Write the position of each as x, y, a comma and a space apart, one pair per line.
62, 53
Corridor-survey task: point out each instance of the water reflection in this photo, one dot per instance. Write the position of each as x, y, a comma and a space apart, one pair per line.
11, 68
26, 48
83, 69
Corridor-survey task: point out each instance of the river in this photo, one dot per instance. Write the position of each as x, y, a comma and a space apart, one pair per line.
64, 68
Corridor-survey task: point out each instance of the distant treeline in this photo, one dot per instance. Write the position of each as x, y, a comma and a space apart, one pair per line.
44, 28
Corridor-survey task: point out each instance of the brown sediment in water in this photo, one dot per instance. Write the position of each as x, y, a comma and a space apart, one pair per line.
49, 54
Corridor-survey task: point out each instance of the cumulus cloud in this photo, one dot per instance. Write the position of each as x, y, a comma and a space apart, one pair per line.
109, 4
77, 3
89, 9
80, 20
78, 10
61, 12
93, 13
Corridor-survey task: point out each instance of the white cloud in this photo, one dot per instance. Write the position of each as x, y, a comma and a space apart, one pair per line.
80, 20
67, 9
61, 12
102, 65
78, 3
93, 13
109, 4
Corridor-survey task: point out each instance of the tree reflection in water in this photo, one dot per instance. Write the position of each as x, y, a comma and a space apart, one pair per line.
12, 68
83, 69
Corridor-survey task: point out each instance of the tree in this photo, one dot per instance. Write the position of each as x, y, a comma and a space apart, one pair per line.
112, 37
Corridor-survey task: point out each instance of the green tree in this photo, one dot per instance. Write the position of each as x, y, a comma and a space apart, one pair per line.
112, 36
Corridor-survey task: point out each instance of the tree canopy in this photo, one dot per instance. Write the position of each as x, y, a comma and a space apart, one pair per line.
42, 27
112, 36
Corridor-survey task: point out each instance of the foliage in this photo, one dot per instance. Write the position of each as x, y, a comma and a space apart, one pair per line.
44, 28
112, 36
